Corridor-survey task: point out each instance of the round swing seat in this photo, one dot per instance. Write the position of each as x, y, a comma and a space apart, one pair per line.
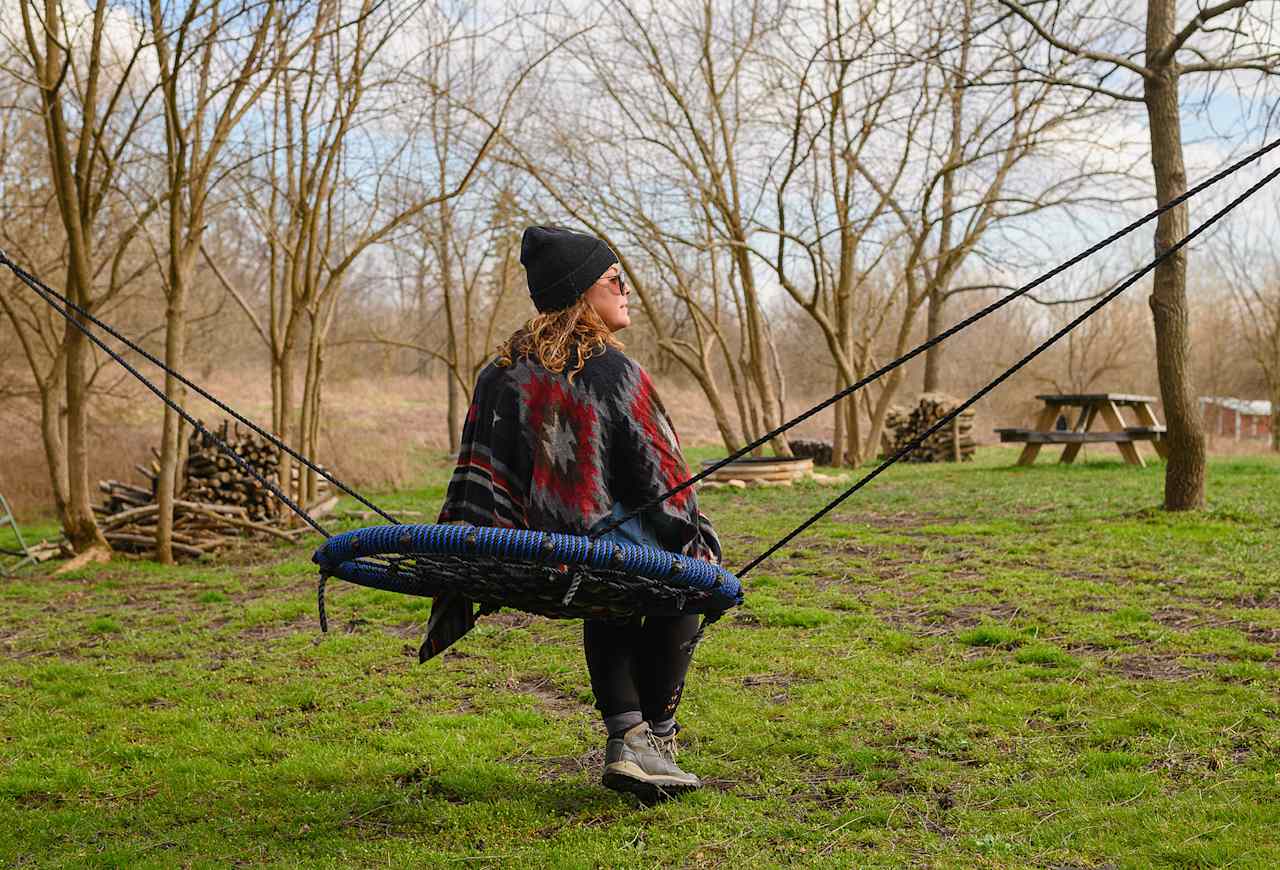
556, 575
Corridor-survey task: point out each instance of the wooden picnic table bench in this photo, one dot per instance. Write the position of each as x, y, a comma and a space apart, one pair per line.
1094, 407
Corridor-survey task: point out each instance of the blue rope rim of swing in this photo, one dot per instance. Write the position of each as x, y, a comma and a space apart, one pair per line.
375, 556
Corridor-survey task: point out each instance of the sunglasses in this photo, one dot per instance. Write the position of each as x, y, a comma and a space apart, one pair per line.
617, 284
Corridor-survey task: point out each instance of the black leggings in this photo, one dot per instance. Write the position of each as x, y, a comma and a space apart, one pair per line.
639, 665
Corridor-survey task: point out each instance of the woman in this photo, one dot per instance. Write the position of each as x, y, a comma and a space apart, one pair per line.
565, 433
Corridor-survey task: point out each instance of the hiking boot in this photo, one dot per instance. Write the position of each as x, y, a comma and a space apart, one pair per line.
637, 763
666, 743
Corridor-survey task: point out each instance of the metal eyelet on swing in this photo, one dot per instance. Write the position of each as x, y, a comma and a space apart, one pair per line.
471, 539
548, 545
355, 544
405, 540
617, 558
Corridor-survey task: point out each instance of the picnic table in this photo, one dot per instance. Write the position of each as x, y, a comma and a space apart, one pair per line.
1097, 421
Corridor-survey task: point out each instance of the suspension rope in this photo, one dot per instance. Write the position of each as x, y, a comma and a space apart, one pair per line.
921, 348
947, 418
48, 294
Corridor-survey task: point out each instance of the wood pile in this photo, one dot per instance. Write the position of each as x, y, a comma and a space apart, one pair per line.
819, 451
216, 501
952, 443
37, 553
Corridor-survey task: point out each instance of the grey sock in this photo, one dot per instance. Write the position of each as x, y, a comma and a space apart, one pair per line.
663, 727
620, 723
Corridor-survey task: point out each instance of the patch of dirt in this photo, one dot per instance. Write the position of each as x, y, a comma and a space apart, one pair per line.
898, 520
1183, 619
412, 629
548, 698
513, 618
1261, 600
1141, 666
277, 630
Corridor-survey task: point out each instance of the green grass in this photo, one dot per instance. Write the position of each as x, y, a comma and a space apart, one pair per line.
963, 666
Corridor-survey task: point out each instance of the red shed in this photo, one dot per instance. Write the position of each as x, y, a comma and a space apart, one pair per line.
1236, 418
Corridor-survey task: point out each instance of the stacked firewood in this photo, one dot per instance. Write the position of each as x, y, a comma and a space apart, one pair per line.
215, 502
213, 476
952, 443
819, 451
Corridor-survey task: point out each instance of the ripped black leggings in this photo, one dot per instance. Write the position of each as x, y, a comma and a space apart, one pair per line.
639, 665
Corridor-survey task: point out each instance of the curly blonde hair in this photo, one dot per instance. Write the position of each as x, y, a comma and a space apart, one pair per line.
557, 338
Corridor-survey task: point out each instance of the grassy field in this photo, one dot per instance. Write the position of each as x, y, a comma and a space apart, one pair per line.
965, 666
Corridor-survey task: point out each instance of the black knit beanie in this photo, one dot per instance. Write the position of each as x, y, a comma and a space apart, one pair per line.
561, 264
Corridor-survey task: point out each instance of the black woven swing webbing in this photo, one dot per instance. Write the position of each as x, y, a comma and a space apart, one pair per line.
942, 336
49, 295
947, 418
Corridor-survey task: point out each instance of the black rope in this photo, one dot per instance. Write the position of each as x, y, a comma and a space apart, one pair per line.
947, 418
919, 349
45, 292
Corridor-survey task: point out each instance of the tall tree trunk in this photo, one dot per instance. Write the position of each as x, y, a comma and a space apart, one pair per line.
52, 432
174, 357
933, 326
1185, 472
838, 434
1275, 414
283, 413
759, 348
78, 522
853, 426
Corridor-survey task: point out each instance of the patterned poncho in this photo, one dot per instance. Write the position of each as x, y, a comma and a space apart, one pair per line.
541, 451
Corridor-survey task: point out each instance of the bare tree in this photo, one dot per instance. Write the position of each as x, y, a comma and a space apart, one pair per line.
854, 109
1228, 36
350, 149
662, 163
999, 141
85, 69
214, 64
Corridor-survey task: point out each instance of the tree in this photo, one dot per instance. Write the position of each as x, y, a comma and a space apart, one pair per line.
661, 162
214, 64
92, 101
1220, 37
852, 99
350, 150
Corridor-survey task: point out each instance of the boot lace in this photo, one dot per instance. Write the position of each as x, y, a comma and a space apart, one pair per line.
665, 746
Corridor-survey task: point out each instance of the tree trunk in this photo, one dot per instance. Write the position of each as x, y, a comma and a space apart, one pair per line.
79, 523
284, 411
174, 357
701, 372
52, 434
1185, 472
853, 426
933, 356
759, 347
1275, 415
837, 428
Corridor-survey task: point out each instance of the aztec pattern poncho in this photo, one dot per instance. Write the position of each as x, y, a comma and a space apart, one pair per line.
540, 451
